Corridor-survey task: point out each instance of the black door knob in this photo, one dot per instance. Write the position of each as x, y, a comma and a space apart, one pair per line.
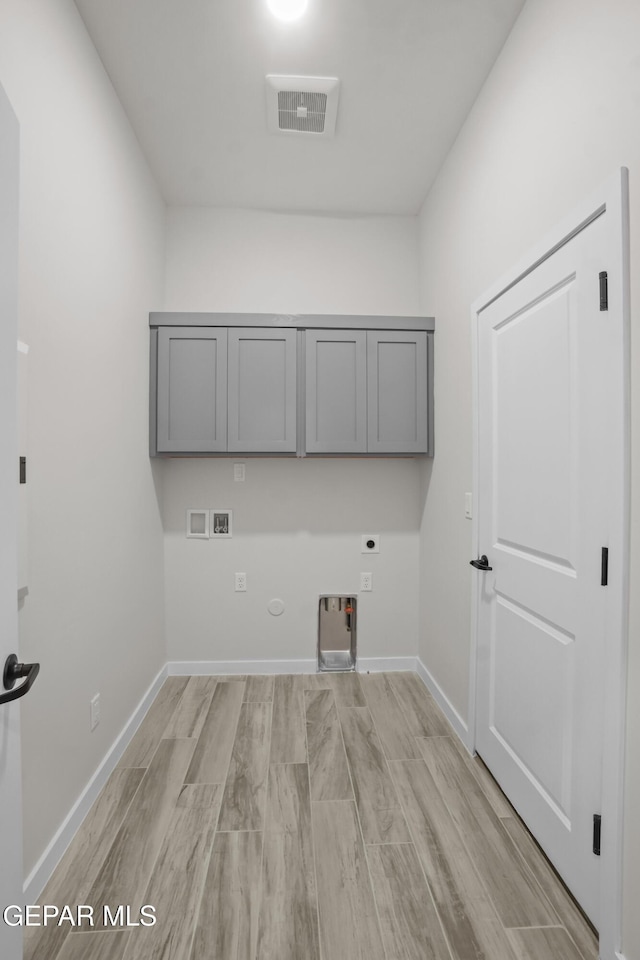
14, 671
482, 563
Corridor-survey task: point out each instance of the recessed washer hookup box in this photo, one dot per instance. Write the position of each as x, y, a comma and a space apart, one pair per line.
337, 633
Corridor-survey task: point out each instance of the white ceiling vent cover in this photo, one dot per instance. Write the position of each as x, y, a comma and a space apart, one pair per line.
302, 105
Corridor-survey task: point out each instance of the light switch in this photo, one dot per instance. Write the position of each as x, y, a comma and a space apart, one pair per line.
468, 505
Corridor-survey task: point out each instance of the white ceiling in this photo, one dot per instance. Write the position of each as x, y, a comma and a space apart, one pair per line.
190, 74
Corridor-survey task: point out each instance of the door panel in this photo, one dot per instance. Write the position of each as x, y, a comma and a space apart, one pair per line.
536, 419
542, 523
532, 664
192, 390
262, 391
336, 388
397, 392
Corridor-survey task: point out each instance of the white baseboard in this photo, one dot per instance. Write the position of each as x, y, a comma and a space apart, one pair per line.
215, 668
388, 664
459, 725
221, 668
39, 876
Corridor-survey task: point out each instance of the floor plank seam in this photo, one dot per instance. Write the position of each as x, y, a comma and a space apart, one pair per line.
422, 868
355, 803
531, 873
285, 763
388, 843
205, 874
313, 840
557, 878
243, 830
264, 829
116, 829
373, 889
474, 865
232, 741
165, 833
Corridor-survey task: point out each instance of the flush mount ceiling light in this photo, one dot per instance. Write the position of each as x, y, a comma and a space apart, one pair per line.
287, 10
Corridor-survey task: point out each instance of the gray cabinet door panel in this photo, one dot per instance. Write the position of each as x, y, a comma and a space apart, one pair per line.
262, 391
397, 392
336, 391
192, 390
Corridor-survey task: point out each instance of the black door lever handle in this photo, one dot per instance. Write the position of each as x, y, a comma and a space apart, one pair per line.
482, 563
14, 671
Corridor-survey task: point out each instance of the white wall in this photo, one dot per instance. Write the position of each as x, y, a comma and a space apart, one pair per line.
557, 116
245, 260
297, 523
92, 247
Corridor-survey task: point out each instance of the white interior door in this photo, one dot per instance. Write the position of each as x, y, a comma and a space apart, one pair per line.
10, 799
544, 503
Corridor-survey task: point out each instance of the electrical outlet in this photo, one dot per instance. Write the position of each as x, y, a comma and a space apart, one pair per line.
370, 543
468, 505
241, 582
239, 472
366, 582
94, 705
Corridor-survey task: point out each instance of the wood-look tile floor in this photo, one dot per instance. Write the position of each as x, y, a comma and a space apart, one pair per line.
324, 817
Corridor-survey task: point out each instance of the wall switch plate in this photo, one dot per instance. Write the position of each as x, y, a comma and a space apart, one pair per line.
238, 471
94, 706
366, 582
370, 543
241, 582
468, 505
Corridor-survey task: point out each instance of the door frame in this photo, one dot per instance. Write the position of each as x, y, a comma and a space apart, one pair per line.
611, 198
10, 743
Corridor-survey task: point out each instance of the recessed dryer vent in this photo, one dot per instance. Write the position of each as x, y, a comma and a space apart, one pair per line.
302, 105
337, 634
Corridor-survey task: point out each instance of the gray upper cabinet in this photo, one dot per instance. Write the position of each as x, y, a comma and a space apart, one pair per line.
308, 385
261, 391
192, 390
397, 392
336, 391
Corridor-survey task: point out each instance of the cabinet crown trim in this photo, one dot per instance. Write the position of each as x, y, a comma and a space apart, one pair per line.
300, 321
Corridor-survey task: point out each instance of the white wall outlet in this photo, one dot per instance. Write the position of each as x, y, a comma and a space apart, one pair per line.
366, 582
241, 582
94, 706
370, 543
238, 472
468, 505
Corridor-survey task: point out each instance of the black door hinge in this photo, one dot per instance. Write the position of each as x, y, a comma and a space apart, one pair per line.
604, 291
597, 833
23, 469
604, 567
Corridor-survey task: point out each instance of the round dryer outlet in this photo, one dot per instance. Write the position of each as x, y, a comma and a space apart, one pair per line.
370, 543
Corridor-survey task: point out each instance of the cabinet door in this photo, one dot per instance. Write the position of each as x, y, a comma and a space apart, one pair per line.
192, 390
336, 391
262, 390
397, 392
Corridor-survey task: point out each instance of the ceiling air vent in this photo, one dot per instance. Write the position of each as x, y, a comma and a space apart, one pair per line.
302, 105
